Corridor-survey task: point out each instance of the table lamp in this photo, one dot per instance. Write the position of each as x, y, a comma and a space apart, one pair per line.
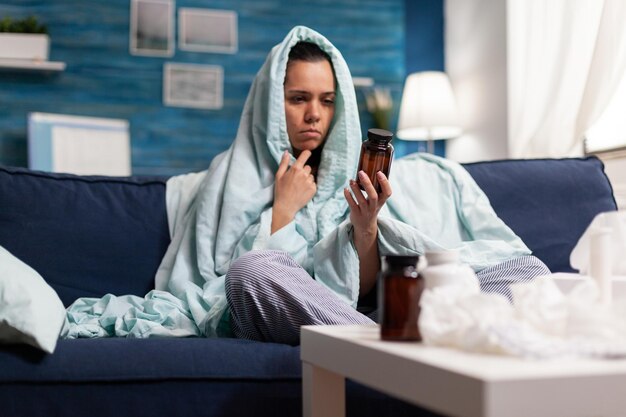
428, 109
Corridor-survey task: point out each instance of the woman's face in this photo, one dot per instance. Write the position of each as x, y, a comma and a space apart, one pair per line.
309, 103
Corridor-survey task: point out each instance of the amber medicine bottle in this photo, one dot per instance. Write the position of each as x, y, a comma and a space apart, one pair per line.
401, 288
376, 155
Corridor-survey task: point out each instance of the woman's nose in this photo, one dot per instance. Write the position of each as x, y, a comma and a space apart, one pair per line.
313, 112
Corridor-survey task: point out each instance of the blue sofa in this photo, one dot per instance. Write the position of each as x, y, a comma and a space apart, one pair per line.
88, 236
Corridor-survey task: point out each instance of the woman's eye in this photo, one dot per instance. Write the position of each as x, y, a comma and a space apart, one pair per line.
297, 99
329, 101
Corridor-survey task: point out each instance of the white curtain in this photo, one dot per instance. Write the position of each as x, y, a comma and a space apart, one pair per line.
566, 58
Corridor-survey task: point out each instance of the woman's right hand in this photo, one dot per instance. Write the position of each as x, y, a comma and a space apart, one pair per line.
294, 187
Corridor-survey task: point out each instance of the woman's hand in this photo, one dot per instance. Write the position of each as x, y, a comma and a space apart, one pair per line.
364, 209
293, 189
364, 217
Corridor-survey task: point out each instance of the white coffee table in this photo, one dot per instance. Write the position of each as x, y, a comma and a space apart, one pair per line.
453, 382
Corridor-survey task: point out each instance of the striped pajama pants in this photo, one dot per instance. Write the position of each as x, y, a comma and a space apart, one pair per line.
270, 296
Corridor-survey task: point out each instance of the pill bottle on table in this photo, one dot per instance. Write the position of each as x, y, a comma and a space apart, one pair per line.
401, 288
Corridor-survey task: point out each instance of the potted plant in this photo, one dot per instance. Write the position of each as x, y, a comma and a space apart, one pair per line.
380, 105
23, 39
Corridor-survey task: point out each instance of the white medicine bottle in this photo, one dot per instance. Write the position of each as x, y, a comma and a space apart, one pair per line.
443, 268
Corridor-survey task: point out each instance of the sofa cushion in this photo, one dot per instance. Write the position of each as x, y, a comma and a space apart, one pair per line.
30, 311
86, 235
548, 202
169, 376
157, 376
124, 359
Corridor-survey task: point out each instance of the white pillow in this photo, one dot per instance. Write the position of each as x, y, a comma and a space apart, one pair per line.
30, 310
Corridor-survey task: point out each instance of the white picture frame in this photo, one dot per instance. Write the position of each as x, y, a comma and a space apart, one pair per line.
207, 30
193, 85
152, 28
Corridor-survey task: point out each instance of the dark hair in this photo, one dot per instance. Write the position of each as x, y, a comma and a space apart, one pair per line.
309, 52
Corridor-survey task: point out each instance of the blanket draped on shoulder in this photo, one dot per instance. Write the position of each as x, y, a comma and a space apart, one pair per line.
219, 214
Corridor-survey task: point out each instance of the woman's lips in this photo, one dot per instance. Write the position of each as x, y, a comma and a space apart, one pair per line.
311, 134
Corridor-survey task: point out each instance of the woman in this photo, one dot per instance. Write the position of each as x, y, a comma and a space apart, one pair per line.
285, 292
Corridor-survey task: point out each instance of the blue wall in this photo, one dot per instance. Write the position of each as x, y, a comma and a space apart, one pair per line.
103, 80
424, 48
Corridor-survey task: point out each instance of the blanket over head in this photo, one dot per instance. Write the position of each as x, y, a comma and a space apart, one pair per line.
219, 214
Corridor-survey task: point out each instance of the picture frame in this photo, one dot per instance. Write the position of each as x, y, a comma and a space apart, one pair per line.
207, 30
80, 145
193, 85
152, 28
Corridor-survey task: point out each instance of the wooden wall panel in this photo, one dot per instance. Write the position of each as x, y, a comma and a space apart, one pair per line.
102, 79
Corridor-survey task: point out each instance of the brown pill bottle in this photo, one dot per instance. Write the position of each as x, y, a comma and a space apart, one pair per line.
401, 287
376, 155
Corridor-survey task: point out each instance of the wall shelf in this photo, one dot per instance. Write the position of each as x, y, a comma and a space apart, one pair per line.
28, 65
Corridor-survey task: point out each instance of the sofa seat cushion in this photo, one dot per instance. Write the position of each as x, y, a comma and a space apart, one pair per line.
123, 359
547, 202
168, 377
85, 235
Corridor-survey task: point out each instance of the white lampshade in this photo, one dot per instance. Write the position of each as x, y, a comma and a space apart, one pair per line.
428, 109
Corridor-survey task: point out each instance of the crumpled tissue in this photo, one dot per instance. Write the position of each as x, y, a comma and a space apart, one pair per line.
541, 323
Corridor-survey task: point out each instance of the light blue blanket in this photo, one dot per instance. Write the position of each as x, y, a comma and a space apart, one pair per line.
217, 215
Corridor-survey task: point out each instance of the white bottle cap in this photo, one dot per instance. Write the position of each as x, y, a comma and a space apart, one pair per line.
442, 257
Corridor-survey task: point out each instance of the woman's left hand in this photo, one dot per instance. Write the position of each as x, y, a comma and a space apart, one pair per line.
364, 209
